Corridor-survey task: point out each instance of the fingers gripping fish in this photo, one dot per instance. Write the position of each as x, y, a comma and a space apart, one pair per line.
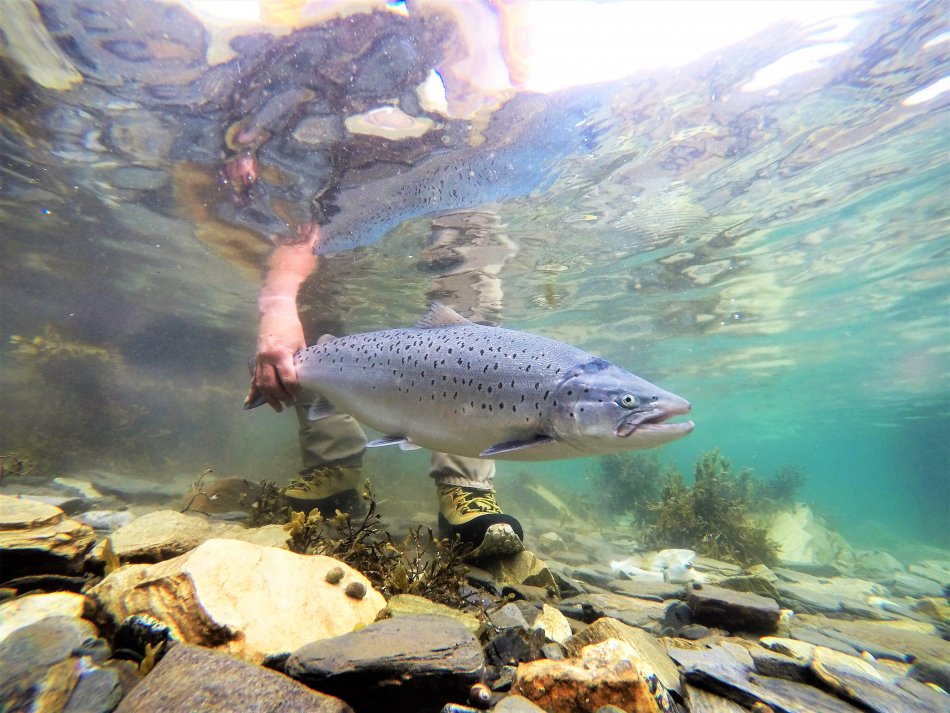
462, 388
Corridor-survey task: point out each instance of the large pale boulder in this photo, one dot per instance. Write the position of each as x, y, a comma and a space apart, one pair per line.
36, 538
804, 540
243, 598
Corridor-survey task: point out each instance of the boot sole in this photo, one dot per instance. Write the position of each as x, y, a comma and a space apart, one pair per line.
500, 540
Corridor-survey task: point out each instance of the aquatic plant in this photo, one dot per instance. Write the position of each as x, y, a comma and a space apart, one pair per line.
420, 564
197, 488
626, 483
269, 507
779, 491
712, 515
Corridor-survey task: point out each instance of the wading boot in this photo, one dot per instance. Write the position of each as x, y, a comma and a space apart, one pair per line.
327, 488
475, 517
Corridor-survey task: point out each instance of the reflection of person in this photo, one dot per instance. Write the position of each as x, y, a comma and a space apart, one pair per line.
466, 250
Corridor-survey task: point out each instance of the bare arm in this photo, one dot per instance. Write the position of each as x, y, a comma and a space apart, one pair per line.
280, 333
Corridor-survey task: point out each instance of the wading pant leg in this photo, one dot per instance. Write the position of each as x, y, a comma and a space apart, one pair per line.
475, 473
334, 440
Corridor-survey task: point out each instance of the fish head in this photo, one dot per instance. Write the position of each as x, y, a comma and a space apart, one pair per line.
600, 408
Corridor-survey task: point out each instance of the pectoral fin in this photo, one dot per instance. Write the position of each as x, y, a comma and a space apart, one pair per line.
509, 446
404, 443
320, 408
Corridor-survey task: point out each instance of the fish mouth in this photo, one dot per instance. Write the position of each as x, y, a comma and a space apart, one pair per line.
654, 420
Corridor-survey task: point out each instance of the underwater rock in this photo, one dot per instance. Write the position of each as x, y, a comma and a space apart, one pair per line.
222, 595
77, 487
43, 643
773, 663
39, 538
516, 704
712, 568
876, 564
630, 610
163, 534
596, 574
106, 520
24, 611
414, 663
513, 646
47, 666
69, 504
938, 571
735, 611
799, 650
857, 680
508, 616
803, 540
700, 701
409, 604
190, 678
607, 673
98, 690
522, 568
913, 585
657, 591
728, 671
833, 595
131, 488
936, 672
551, 542
647, 647
554, 624
900, 640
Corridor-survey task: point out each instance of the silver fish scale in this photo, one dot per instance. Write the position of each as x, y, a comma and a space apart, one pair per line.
477, 385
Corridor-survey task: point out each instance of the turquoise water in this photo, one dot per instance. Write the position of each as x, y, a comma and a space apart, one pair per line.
777, 253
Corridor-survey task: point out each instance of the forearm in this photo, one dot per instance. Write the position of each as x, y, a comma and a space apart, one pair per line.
287, 268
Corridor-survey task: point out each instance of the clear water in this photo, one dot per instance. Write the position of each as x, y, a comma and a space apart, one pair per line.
776, 253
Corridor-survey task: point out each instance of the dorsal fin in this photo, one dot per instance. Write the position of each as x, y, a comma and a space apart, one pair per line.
324, 338
440, 316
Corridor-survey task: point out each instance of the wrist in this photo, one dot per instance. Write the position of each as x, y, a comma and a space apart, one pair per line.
271, 303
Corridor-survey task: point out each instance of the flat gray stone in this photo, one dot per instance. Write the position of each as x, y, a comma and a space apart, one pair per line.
516, 704
728, 609
414, 663
815, 637
643, 613
656, 591
855, 679
720, 671
191, 678
702, 701
913, 585
882, 639
772, 663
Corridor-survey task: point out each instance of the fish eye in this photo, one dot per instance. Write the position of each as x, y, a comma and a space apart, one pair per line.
628, 401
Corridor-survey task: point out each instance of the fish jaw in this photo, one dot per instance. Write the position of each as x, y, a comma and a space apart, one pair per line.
650, 422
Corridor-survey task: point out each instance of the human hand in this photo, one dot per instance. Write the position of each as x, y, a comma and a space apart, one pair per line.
275, 376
